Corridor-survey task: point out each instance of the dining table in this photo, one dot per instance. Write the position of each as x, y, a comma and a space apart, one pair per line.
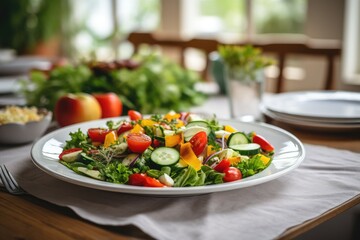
326, 184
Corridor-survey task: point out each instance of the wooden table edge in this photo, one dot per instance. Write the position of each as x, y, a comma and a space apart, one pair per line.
297, 230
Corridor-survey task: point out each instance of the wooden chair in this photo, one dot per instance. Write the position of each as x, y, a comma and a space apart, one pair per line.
282, 50
205, 45
311, 48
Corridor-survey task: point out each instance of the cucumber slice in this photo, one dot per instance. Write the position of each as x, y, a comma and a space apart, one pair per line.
191, 131
237, 138
91, 173
200, 123
71, 157
247, 148
129, 158
165, 156
86, 157
194, 127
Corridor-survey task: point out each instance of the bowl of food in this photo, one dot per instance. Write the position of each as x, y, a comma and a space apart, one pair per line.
20, 125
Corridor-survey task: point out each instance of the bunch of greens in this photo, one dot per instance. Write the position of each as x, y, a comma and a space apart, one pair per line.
155, 85
243, 60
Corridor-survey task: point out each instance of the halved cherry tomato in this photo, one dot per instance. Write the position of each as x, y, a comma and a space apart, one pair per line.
264, 144
141, 179
152, 182
134, 115
124, 127
198, 142
137, 179
225, 163
232, 174
138, 142
98, 134
68, 151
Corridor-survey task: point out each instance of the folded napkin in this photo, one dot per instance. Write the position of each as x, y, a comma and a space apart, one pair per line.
326, 178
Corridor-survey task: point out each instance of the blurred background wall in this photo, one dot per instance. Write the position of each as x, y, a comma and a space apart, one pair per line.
98, 29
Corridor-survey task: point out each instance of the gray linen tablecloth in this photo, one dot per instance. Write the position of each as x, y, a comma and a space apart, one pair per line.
326, 178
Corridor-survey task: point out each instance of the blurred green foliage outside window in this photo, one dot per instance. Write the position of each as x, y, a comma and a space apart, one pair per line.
24, 23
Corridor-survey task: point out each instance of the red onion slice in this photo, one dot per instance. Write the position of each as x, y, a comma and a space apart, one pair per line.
134, 161
212, 155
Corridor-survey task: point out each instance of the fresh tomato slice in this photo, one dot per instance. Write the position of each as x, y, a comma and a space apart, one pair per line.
224, 164
69, 151
152, 182
98, 134
232, 174
138, 142
134, 115
137, 179
124, 127
198, 142
264, 144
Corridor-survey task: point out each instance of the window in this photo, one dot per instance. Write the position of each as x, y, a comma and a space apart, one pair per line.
245, 18
351, 53
279, 16
103, 25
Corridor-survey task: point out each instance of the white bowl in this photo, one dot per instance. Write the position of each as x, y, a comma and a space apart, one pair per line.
19, 133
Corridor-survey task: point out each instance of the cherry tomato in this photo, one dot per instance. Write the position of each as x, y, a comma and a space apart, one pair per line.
111, 105
232, 174
198, 142
264, 144
137, 179
225, 163
69, 151
98, 134
138, 142
134, 115
124, 127
152, 182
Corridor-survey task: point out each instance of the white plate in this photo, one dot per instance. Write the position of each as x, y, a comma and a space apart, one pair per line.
22, 65
318, 104
10, 84
311, 120
289, 153
311, 125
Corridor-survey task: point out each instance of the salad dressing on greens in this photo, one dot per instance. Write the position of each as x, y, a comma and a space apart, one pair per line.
171, 150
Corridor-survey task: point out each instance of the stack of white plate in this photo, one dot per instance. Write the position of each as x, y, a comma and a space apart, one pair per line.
318, 110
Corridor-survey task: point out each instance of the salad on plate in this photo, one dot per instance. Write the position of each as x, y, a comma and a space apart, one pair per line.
171, 150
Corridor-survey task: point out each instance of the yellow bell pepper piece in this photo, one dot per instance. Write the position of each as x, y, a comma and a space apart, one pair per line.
147, 122
172, 115
210, 150
229, 128
264, 159
179, 123
173, 140
183, 163
234, 160
137, 129
188, 155
110, 139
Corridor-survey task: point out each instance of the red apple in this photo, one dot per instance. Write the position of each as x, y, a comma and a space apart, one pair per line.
75, 108
111, 105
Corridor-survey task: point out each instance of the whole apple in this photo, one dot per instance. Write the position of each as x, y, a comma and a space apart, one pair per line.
111, 105
75, 108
